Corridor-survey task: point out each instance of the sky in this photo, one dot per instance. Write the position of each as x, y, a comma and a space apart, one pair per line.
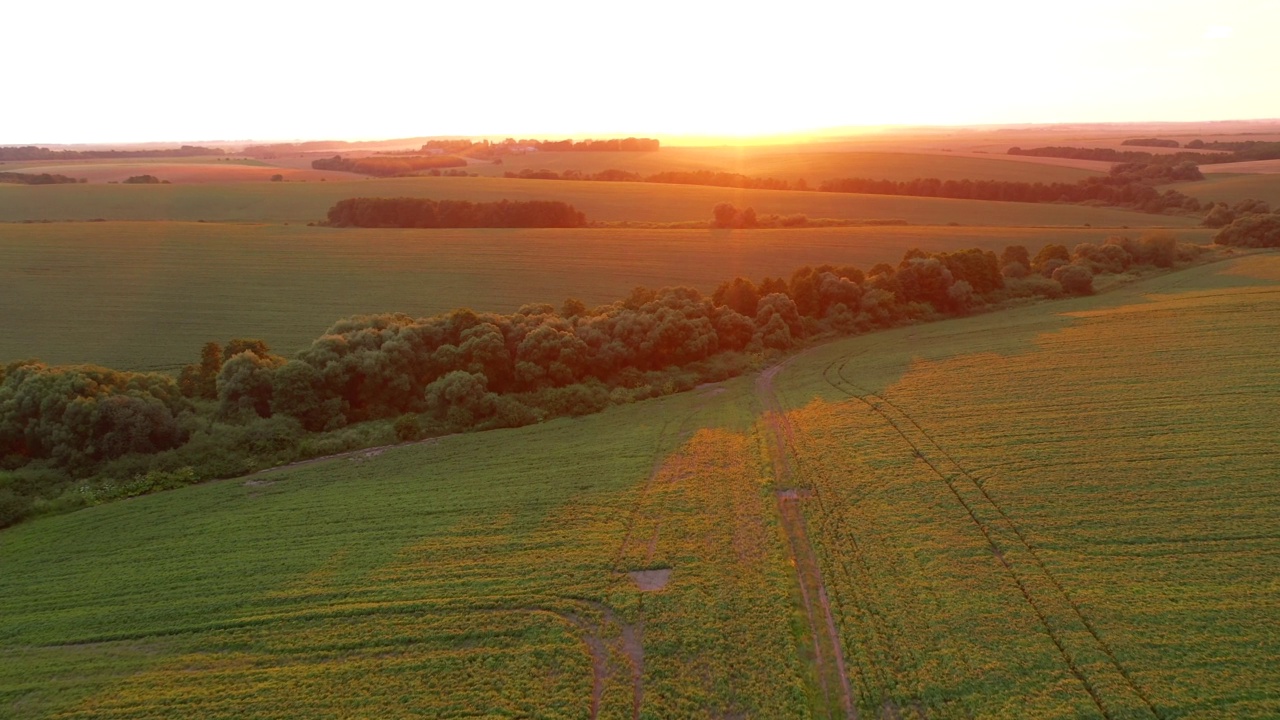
137, 71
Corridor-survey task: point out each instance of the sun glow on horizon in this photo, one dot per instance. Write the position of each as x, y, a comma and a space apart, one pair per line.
712, 70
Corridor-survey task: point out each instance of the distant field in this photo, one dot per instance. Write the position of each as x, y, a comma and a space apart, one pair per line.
1063, 510
793, 164
298, 202
1233, 188
149, 294
200, 171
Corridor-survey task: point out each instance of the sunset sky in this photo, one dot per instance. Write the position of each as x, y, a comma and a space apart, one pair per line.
147, 71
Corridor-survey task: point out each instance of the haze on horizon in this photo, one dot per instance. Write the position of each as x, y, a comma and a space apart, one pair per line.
140, 70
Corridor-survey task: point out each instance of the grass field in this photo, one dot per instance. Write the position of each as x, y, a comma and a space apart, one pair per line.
1062, 510
298, 202
147, 295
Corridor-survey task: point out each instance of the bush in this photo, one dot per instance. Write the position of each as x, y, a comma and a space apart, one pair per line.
407, 428
1074, 279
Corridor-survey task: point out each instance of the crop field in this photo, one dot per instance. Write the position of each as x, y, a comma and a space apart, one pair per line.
147, 295
1062, 510
1234, 188
303, 202
791, 163
1069, 522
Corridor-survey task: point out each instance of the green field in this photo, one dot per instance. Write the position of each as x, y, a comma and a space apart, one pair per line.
1061, 510
303, 202
147, 295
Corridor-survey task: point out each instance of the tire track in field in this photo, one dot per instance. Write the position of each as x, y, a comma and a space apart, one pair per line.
906, 426
869, 597
827, 646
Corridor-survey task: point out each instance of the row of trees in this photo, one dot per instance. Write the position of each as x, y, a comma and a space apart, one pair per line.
423, 213
463, 369
31, 152
1130, 185
1230, 152
387, 166
36, 178
1151, 142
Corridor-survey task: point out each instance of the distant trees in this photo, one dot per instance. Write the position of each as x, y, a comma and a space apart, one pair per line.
35, 178
423, 213
144, 180
1127, 185
1230, 152
725, 215
387, 166
1221, 215
1151, 142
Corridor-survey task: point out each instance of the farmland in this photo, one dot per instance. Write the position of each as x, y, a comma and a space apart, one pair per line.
1060, 510
1232, 188
785, 163
146, 295
303, 202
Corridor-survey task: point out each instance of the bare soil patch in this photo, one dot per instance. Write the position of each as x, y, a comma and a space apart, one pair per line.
651, 580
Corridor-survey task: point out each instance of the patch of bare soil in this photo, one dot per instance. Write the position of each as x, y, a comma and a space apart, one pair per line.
651, 580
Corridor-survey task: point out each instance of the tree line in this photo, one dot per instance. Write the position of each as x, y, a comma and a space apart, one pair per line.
36, 178
77, 435
1129, 185
384, 166
1232, 152
407, 212
31, 152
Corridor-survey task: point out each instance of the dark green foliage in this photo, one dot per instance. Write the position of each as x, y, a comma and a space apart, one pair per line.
423, 213
142, 180
81, 415
1074, 279
1251, 231
407, 428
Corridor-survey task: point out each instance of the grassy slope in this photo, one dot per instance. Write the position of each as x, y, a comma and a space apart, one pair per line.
148, 294
306, 202
442, 576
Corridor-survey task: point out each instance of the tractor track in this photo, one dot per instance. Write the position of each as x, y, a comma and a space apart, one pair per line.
878, 404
